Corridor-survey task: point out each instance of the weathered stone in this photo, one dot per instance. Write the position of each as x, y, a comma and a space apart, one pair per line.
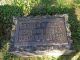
41, 33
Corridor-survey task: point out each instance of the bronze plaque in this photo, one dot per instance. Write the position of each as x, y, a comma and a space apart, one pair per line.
40, 33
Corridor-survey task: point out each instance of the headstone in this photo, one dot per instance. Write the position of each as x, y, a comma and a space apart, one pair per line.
36, 35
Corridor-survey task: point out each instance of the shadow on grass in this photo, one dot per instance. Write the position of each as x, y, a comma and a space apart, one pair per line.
6, 14
74, 25
45, 7
69, 57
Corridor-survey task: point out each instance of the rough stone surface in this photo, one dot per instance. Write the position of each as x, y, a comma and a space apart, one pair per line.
40, 33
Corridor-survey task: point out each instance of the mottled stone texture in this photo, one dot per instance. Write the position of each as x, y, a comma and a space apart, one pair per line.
40, 33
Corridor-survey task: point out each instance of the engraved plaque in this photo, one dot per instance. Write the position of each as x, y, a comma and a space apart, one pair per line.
43, 33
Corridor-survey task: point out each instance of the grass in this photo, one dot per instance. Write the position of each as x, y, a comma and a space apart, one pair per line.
51, 7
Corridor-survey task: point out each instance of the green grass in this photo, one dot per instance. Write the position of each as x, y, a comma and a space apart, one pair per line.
43, 7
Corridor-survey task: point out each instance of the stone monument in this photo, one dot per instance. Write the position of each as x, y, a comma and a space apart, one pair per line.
40, 35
